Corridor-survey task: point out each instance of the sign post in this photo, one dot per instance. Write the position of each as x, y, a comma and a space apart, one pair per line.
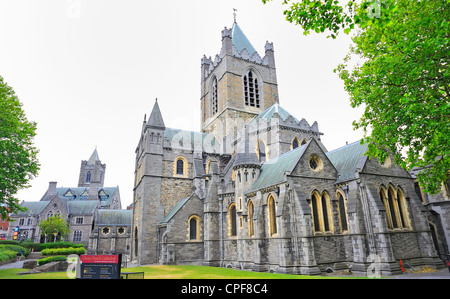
100, 266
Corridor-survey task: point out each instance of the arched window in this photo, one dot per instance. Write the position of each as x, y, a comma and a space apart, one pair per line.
321, 210
272, 215
304, 141
342, 206
251, 90
251, 209
214, 97
180, 166
396, 209
295, 143
77, 236
232, 229
88, 177
261, 151
194, 228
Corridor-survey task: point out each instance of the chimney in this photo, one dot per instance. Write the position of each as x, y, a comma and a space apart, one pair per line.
51, 189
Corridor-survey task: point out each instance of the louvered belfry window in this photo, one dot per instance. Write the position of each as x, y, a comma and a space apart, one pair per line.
251, 90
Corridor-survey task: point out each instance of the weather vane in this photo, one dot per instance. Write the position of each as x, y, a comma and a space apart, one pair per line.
234, 14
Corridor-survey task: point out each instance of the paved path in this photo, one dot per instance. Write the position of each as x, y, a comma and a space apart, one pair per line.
12, 265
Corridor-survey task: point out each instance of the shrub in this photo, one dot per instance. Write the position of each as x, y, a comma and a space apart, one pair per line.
56, 258
63, 251
60, 244
15, 248
6, 255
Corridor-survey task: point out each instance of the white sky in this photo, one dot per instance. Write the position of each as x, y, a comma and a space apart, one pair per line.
88, 70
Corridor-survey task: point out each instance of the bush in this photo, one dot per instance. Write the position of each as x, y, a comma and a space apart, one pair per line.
6, 255
60, 244
63, 251
56, 258
15, 248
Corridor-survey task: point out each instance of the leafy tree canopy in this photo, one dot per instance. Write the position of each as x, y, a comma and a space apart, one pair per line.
53, 226
401, 78
18, 156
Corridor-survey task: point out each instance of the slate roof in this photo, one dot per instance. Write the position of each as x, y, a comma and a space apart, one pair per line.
81, 207
33, 208
114, 217
240, 41
347, 159
188, 136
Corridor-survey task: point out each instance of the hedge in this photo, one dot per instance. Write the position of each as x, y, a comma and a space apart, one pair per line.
56, 258
60, 244
63, 251
14, 248
6, 255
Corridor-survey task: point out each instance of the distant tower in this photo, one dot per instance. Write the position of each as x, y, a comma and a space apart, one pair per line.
92, 171
236, 85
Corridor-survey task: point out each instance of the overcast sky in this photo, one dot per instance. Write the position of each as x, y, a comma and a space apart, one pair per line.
88, 70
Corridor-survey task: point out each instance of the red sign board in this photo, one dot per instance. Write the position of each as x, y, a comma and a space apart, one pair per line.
99, 259
448, 263
100, 266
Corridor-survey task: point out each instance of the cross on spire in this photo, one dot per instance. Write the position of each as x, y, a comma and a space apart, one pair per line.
234, 14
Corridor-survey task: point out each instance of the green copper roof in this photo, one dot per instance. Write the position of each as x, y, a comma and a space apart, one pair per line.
240, 41
174, 210
273, 171
275, 108
347, 159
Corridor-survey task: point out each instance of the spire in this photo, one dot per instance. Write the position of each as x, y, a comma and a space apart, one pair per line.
240, 41
155, 119
94, 157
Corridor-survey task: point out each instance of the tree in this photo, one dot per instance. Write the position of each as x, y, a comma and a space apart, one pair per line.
18, 156
54, 226
402, 76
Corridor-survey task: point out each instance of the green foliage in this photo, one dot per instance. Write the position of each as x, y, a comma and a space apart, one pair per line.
401, 79
6, 255
61, 244
57, 258
55, 225
63, 251
18, 156
15, 248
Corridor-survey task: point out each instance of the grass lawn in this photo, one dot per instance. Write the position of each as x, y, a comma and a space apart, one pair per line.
171, 272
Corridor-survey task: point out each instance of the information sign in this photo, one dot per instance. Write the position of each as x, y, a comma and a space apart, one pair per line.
100, 266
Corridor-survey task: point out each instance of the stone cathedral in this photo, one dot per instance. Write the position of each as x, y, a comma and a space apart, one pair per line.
256, 189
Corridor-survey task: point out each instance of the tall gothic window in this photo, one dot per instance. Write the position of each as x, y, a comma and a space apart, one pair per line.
396, 208
251, 90
180, 166
272, 216
321, 209
251, 229
342, 212
214, 97
232, 220
88, 177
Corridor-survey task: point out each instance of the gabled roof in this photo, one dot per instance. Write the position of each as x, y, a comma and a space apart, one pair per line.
347, 159
84, 207
240, 41
114, 217
33, 208
273, 171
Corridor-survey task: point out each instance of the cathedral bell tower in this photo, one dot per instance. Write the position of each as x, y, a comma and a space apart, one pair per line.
236, 86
